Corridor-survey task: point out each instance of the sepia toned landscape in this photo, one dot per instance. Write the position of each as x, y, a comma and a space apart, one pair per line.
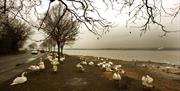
89, 45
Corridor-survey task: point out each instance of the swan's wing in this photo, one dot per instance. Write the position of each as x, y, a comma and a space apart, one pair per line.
16, 80
41, 66
119, 76
19, 80
143, 78
150, 80
31, 67
114, 76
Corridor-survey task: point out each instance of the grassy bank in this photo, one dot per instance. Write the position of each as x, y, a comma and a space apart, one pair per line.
68, 78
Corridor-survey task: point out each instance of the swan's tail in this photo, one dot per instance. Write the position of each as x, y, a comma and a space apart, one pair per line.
12, 83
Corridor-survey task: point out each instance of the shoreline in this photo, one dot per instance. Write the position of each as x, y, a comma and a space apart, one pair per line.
169, 57
163, 67
134, 60
154, 49
67, 73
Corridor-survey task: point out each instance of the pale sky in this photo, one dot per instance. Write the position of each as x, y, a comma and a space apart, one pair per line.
119, 36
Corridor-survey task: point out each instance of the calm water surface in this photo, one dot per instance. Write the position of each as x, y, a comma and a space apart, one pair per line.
172, 57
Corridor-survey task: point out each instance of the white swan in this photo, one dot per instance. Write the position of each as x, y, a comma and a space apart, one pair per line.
49, 58
19, 80
144, 65
101, 59
55, 61
116, 76
108, 69
111, 63
107, 65
41, 65
55, 68
100, 64
98, 58
62, 59
117, 67
55, 54
84, 62
91, 63
121, 71
82, 58
33, 67
103, 66
80, 67
147, 81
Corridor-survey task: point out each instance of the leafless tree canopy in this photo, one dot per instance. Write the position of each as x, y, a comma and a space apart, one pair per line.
60, 31
13, 35
48, 44
147, 11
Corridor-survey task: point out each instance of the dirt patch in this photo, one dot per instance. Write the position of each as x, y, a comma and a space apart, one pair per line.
76, 82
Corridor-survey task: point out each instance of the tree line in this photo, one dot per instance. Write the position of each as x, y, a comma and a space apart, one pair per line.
12, 34
12, 12
62, 32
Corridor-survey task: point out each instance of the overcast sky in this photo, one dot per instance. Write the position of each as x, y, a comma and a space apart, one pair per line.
120, 36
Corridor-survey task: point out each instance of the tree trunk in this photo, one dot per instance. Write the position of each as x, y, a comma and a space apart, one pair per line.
58, 44
54, 48
4, 7
62, 47
49, 48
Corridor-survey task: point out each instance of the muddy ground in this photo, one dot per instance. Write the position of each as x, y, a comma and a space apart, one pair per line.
68, 78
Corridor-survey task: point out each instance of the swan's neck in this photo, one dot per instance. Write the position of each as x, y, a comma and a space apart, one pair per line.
22, 75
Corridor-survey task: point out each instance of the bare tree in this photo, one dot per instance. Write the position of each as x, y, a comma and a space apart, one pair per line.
64, 30
69, 35
49, 43
147, 11
13, 35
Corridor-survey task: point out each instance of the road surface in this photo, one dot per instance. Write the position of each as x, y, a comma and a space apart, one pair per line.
12, 65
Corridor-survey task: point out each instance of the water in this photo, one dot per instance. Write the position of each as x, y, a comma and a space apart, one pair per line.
170, 56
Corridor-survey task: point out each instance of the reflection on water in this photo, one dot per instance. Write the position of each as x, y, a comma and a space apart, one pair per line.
172, 57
